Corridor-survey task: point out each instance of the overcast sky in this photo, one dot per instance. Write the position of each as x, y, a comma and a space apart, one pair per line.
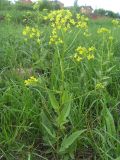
113, 5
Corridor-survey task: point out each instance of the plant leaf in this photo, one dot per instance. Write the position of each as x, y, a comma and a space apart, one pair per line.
46, 123
110, 69
49, 131
109, 122
68, 141
66, 101
54, 102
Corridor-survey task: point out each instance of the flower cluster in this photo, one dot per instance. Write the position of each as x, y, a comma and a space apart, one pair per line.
54, 38
60, 19
87, 33
82, 22
110, 38
99, 86
116, 22
31, 33
103, 30
84, 53
61, 22
107, 32
31, 81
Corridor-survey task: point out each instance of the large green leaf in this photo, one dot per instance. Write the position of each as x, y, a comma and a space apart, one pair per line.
53, 101
109, 122
66, 104
46, 123
49, 131
68, 141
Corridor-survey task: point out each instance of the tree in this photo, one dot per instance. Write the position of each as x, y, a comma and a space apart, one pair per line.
4, 4
75, 3
76, 7
102, 12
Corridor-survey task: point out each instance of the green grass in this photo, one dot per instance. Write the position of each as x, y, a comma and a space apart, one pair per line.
63, 116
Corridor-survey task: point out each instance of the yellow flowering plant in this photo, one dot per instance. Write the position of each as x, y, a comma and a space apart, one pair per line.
62, 21
103, 30
116, 22
31, 33
99, 86
84, 53
31, 81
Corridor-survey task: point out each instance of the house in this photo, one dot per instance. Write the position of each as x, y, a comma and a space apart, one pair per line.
26, 1
58, 3
86, 10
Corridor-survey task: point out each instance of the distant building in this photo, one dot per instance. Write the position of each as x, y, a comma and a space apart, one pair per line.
26, 1
60, 4
86, 10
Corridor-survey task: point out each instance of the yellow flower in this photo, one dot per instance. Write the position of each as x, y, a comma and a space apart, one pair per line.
84, 53
81, 50
90, 56
33, 30
111, 38
82, 25
72, 21
38, 33
91, 49
24, 33
31, 33
99, 86
38, 41
115, 22
103, 30
78, 16
64, 20
31, 81
75, 56
27, 28
87, 34
79, 59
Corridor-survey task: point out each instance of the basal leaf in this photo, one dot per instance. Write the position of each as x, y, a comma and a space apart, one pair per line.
66, 100
68, 141
109, 122
53, 101
46, 123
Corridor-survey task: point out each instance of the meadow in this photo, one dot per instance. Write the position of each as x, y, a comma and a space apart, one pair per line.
59, 86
